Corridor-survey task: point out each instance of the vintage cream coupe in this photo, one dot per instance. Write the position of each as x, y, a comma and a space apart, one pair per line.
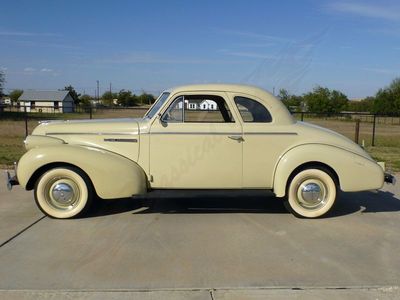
195, 137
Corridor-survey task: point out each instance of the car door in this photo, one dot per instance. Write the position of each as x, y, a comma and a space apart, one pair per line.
193, 146
263, 141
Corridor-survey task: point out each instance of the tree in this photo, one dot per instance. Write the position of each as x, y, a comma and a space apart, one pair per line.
292, 102
364, 105
73, 93
14, 95
387, 100
2, 81
126, 98
85, 100
146, 98
324, 100
108, 98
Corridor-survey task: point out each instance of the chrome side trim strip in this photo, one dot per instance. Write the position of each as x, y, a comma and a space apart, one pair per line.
226, 133
198, 133
270, 133
92, 133
122, 140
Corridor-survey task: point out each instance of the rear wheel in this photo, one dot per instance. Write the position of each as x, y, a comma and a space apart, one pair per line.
64, 192
311, 193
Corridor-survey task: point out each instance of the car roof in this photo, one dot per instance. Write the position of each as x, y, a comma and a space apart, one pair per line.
225, 87
279, 112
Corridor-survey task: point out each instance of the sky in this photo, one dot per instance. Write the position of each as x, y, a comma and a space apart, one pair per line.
352, 46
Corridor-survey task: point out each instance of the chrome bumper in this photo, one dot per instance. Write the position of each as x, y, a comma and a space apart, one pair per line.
12, 180
389, 178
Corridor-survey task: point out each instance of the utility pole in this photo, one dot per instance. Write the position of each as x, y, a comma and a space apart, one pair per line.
110, 89
98, 90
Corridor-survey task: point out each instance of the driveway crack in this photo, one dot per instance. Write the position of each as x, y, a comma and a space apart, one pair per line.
21, 231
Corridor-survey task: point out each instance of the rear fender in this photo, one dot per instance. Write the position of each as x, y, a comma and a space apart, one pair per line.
355, 172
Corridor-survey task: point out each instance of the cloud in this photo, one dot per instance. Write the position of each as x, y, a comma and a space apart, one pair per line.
3, 69
257, 45
247, 54
152, 58
26, 33
367, 10
254, 35
46, 70
29, 69
381, 70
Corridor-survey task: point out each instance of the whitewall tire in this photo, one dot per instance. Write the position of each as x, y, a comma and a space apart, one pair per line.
311, 193
63, 192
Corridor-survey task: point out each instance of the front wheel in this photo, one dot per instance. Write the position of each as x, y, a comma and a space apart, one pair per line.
311, 193
63, 192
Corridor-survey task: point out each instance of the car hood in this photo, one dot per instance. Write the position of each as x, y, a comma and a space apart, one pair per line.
99, 126
310, 133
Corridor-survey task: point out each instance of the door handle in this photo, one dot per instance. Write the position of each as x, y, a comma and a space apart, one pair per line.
238, 138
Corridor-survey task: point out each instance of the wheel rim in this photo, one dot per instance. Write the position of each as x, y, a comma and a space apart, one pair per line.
312, 194
62, 194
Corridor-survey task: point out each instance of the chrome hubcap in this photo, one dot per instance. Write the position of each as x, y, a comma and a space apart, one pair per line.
62, 192
312, 194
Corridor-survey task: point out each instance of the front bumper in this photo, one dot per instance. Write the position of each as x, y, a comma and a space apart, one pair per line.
389, 178
12, 180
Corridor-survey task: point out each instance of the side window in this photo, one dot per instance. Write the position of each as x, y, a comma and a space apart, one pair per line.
252, 111
198, 109
207, 109
174, 113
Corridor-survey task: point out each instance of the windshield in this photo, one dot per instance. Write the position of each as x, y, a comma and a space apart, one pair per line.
157, 105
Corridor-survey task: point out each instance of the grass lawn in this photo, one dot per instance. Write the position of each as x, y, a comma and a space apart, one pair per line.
387, 142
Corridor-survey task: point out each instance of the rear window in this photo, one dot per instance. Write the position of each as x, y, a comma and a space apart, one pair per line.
252, 111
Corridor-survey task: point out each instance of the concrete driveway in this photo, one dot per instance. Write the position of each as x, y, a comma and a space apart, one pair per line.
201, 246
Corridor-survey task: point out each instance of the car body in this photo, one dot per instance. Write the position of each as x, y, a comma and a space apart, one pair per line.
214, 136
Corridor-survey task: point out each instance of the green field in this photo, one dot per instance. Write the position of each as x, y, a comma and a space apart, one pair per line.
387, 141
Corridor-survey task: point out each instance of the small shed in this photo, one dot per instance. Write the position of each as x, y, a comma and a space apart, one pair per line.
46, 101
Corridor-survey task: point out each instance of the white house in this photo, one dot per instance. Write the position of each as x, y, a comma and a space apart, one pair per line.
5, 101
197, 105
46, 101
208, 105
188, 105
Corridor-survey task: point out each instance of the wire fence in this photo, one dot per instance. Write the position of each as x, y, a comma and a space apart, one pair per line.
363, 128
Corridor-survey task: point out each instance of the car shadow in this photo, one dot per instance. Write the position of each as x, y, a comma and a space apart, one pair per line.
237, 202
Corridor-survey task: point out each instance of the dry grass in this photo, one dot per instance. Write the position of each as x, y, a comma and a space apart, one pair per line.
387, 141
387, 138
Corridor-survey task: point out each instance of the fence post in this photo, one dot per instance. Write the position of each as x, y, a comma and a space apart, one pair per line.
357, 134
90, 111
26, 121
302, 116
373, 131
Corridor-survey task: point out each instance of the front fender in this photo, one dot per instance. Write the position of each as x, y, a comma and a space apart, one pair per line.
355, 172
112, 175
